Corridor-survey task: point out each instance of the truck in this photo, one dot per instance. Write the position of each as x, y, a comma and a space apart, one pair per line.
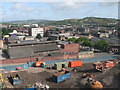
61, 76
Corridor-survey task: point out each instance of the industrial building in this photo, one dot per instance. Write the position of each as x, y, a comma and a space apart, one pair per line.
28, 49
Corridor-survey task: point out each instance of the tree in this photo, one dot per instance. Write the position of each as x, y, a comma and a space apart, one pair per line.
38, 36
82, 39
88, 43
102, 45
72, 39
6, 31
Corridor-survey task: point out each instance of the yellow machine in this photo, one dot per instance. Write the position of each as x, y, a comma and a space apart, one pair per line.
1, 77
92, 82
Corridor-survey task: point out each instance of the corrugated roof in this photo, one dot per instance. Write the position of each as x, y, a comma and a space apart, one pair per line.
26, 51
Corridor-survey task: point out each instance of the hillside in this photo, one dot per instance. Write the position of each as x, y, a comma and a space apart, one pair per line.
84, 21
41, 21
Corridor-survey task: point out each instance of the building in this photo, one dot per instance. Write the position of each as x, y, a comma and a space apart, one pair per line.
50, 32
35, 31
85, 54
114, 48
29, 38
57, 37
100, 35
11, 40
1, 43
46, 28
67, 47
28, 49
31, 25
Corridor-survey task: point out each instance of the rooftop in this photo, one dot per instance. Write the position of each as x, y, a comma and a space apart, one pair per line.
32, 49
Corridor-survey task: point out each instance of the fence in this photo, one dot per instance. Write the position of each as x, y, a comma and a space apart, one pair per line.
11, 68
86, 60
51, 62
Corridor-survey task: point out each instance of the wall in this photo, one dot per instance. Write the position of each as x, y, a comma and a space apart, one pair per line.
1, 44
51, 62
70, 48
86, 55
40, 58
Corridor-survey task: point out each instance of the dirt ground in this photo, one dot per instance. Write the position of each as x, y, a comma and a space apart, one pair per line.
109, 78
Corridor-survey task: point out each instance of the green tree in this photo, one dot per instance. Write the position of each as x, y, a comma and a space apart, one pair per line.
88, 43
72, 39
38, 36
102, 45
6, 31
82, 39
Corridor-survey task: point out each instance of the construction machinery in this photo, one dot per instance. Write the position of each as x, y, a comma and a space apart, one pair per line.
92, 82
105, 65
39, 64
1, 80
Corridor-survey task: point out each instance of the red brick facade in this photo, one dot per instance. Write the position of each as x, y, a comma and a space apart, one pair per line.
67, 48
33, 59
70, 48
1, 44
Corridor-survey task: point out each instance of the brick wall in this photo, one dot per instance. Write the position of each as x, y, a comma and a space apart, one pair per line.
1, 44
40, 58
70, 48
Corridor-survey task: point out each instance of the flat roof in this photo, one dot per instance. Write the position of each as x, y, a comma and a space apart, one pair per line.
32, 43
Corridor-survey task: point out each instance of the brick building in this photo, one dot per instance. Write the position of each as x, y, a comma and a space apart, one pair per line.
69, 48
1, 43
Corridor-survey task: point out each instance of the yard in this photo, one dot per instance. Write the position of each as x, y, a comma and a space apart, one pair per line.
109, 78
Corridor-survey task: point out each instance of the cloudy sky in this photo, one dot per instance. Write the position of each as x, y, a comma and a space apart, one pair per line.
11, 11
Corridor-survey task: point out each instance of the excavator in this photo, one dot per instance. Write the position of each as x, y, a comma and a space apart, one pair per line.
1, 80
92, 82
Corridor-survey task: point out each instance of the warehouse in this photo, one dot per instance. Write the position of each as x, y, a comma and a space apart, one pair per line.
28, 49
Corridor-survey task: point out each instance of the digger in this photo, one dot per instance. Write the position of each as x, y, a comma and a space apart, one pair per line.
1, 80
92, 82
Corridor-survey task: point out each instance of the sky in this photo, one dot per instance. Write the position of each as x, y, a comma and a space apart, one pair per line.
12, 11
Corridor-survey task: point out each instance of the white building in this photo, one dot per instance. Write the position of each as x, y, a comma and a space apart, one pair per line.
31, 25
26, 25
35, 31
34, 25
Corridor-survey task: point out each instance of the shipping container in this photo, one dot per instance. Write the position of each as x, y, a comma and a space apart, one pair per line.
60, 65
75, 63
32, 88
61, 76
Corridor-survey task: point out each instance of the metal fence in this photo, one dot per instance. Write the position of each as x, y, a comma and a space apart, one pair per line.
51, 62
85, 60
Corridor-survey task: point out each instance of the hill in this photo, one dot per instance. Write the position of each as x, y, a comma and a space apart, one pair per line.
84, 21
40, 21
